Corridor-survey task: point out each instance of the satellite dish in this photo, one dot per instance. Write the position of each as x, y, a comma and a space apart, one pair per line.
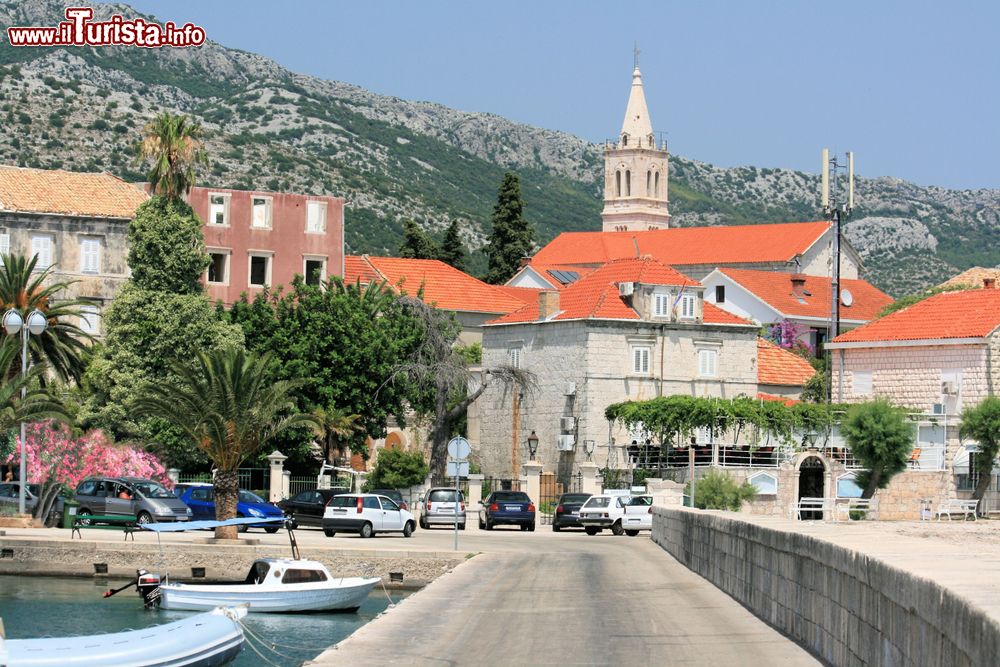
846, 298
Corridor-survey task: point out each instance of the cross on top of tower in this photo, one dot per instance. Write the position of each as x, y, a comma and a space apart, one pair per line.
636, 53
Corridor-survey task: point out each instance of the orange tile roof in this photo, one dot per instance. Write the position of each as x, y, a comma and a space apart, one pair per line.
966, 314
443, 285
771, 397
712, 314
685, 245
776, 366
91, 195
525, 294
775, 289
973, 277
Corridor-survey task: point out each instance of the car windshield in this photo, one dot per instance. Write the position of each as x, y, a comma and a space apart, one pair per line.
343, 501
574, 498
600, 501
441, 496
152, 490
510, 497
247, 497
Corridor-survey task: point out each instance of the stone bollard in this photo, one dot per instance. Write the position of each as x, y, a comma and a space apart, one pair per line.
533, 486
473, 501
590, 481
277, 488
174, 475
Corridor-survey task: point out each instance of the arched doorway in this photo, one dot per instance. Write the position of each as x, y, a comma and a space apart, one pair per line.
812, 474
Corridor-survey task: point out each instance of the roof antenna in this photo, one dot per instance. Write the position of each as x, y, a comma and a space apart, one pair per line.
636, 244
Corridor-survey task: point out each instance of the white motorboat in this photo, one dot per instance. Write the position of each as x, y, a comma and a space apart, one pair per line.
274, 585
205, 640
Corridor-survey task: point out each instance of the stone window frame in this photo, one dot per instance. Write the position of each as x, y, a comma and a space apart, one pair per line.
773, 477
315, 258
226, 201
708, 345
51, 249
90, 319
84, 239
324, 209
685, 301
228, 272
664, 299
269, 212
268, 279
4, 244
514, 350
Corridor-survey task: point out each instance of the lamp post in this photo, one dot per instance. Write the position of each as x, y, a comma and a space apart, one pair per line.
532, 444
14, 324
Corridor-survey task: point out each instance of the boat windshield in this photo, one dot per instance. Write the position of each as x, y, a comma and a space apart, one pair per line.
152, 490
247, 497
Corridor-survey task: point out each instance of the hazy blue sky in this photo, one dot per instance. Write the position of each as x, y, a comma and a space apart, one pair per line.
912, 87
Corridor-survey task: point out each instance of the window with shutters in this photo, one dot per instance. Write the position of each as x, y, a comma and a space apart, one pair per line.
661, 305
861, 383
640, 359
688, 303
4, 246
514, 356
218, 209
260, 208
707, 361
90, 319
41, 247
316, 216
90, 255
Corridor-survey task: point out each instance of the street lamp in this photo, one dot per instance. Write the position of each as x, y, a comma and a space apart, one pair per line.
532, 444
14, 324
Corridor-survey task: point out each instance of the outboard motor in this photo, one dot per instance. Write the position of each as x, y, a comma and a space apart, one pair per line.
148, 585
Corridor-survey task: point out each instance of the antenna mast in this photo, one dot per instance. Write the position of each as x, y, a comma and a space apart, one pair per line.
836, 205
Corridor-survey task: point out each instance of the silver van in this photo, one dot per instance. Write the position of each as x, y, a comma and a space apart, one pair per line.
442, 506
146, 500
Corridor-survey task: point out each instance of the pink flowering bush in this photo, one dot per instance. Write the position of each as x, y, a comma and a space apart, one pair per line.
785, 334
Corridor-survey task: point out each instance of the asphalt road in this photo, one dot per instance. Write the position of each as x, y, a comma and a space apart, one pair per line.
566, 599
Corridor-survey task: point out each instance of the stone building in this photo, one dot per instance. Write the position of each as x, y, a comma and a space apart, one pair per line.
633, 329
76, 223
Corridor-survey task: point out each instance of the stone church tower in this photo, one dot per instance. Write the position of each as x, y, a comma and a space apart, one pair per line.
635, 171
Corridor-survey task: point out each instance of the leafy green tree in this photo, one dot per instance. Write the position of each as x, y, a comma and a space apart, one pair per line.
63, 344
416, 243
172, 143
452, 250
396, 469
881, 438
511, 237
338, 429
230, 405
166, 247
982, 423
719, 491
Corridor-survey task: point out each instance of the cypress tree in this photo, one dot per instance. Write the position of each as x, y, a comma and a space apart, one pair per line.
452, 250
416, 243
511, 238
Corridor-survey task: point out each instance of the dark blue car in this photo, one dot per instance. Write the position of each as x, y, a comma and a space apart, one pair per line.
510, 508
201, 499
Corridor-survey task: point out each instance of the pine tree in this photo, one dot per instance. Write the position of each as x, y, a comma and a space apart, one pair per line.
511, 238
452, 251
416, 243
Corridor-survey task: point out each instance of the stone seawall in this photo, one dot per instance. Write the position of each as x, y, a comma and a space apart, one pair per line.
844, 606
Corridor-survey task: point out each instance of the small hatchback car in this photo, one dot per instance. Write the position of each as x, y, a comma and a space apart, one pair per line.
443, 507
366, 514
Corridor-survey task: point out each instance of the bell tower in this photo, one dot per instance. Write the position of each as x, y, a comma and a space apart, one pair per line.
635, 170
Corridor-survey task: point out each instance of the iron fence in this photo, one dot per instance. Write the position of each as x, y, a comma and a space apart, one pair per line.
491, 484
551, 490
251, 479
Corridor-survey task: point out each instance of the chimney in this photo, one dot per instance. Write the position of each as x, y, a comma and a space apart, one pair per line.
798, 285
548, 304
989, 283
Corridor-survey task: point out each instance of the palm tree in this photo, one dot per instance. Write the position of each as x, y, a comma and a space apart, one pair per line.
173, 144
230, 406
63, 344
338, 428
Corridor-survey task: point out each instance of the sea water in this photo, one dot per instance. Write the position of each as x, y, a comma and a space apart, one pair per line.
56, 606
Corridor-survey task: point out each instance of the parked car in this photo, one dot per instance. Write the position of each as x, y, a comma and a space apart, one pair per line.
144, 499
638, 515
507, 508
10, 498
366, 514
200, 497
442, 507
306, 508
567, 514
603, 511
394, 494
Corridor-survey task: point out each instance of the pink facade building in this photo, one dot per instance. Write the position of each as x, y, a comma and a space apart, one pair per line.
256, 239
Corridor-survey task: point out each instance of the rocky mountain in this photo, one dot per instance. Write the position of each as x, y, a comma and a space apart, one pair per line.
392, 159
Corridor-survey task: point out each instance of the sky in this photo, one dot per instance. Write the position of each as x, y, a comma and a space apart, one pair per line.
911, 87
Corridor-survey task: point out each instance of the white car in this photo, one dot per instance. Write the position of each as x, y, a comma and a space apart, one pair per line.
366, 514
603, 511
638, 515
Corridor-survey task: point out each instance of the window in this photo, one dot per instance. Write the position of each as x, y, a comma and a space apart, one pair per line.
4, 246
261, 212
218, 270
218, 209
656, 184
649, 183
765, 483
389, 504
41, 247
640, 359
862, 383
371, 503
661, 305
260, 270
315, 271
90, 319
707, 361
315, 216
720, 293
688, 302
618, 184
90, 255
514, 356
299, 576
628, 183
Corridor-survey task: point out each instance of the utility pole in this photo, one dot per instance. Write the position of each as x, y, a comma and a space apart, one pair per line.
837, 204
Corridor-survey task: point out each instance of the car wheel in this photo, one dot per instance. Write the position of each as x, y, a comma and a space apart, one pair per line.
481, 524
408, 529
329, 532
271, 530
531, 527
489, 525
82, 513
555, 528
592, 530
461, 526
366, 530
144, 517
524, 526
631, 533
242, 528
423, 524
616, 528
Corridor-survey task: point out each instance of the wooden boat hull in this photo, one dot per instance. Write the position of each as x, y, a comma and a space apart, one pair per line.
335, 595
205, 640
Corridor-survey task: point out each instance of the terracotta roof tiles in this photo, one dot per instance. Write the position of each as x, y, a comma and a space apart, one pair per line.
90, 195
776, 366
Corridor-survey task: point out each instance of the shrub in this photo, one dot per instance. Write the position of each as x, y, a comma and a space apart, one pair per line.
719, 491
396, 469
